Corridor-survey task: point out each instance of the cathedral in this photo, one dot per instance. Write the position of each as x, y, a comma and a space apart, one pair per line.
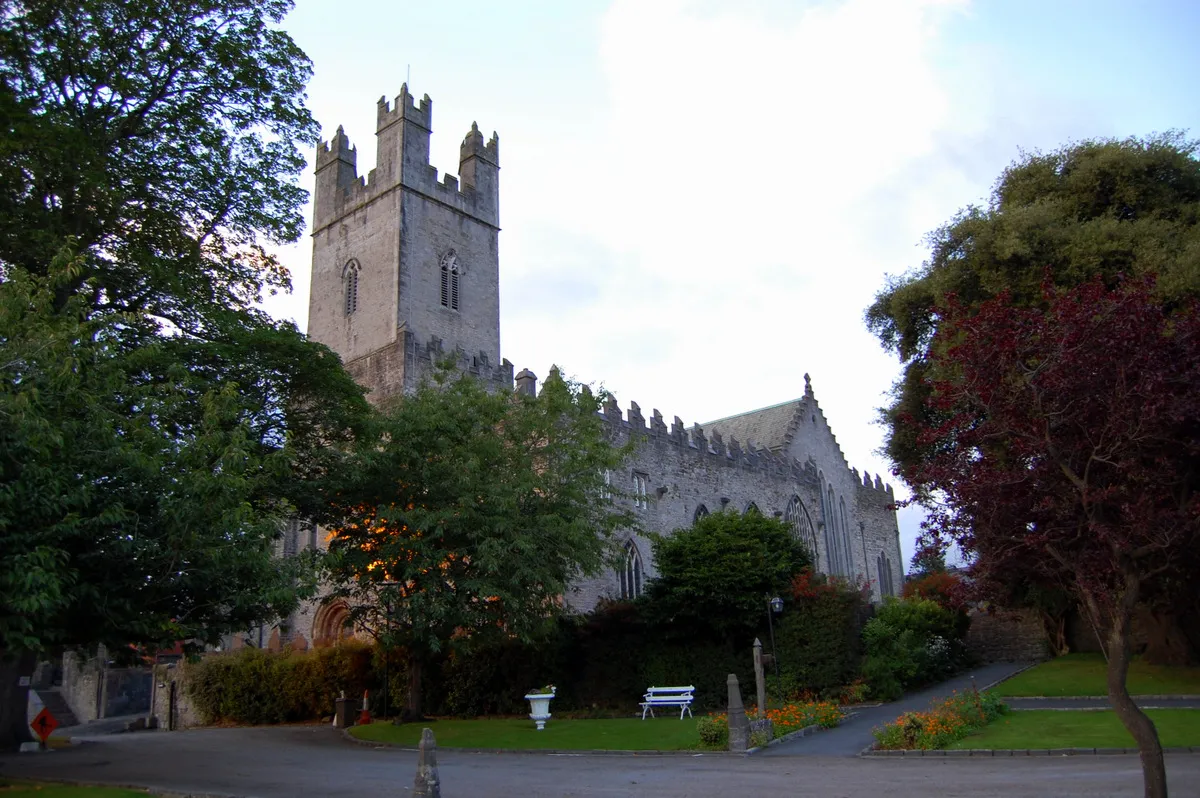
405, 271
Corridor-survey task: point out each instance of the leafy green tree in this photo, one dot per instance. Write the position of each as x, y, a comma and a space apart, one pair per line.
141, 491
154, 426
714, 578
468, 513
927, 560
163, 138
1096, 208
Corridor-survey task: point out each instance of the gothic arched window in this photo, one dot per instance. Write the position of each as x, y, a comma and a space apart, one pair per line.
752, 508
450, 272
631, 572
884, 566
802, 527
701, 511
846, 546
833, 546
350, 284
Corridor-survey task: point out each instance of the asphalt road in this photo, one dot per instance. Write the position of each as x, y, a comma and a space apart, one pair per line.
301, 761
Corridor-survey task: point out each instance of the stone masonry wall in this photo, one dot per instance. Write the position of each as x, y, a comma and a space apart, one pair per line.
1007, 636
685, 469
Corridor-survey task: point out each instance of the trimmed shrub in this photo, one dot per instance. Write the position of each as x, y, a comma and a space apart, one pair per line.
912, 642
818, 637
255, 686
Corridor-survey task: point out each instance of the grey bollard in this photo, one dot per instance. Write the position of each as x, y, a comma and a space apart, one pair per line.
427, 784
739, 724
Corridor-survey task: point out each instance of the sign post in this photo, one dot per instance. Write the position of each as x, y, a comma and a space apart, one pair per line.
44, 724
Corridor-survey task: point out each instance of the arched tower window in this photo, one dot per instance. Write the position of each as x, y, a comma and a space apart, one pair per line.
350, 284
802, 526
884, 566
450, 273
631, 573
701, 511
752, 508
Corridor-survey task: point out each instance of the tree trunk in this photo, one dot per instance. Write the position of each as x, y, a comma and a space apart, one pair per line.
412, 701
14, 699
1117, 647
1055, 626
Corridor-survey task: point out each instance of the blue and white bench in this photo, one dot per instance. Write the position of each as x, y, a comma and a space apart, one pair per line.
668, 697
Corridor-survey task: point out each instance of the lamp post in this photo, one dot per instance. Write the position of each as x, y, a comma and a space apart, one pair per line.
774, 607
387, 647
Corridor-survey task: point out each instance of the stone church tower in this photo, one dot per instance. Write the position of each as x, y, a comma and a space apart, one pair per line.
406, 268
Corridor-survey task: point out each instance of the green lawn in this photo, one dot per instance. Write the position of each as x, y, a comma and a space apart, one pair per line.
1046, 728
29, 789
620, 734
1083, 674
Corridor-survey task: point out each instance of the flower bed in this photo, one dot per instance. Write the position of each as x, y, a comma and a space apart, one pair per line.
714, 728
947, 721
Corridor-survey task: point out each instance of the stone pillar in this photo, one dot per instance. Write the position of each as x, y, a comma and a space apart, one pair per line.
427, 784
527, 383
343, 712
760, 683
739, 724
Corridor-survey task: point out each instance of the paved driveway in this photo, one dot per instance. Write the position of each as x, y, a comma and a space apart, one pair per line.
855, 733
287, 762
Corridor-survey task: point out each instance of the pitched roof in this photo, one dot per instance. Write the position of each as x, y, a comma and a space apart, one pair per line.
768, 426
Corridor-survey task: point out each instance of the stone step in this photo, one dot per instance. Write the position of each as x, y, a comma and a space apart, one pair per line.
53, 700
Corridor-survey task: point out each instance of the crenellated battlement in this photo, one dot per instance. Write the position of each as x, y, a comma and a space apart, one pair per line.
426, 356
402, 161
405, 107
878, 486
712, 446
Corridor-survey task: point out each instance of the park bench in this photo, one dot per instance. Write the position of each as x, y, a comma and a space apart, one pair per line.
668, 697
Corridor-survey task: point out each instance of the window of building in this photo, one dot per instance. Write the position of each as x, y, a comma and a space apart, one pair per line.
884, 566
848, 558
802, 527
631, 572
606, 491
450, 274
641, 497
350, 285
701, 512
752, 508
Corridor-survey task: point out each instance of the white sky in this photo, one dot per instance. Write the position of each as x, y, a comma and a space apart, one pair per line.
699, 199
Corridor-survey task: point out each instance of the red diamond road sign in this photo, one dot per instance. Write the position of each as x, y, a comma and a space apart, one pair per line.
44, 724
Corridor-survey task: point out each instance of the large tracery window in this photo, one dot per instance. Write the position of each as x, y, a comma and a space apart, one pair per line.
450, 272
350, 284
802, 526
631, 573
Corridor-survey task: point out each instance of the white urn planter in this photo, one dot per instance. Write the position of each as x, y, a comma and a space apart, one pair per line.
539, 705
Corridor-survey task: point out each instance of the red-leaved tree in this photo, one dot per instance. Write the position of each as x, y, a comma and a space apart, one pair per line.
1066, 446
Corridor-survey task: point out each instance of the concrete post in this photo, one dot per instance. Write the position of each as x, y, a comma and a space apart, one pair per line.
343, 712
739, 724
427, 784
759, 681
